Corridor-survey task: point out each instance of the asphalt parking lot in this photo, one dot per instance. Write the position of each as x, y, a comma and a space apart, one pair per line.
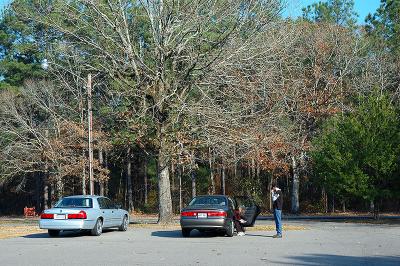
323, 243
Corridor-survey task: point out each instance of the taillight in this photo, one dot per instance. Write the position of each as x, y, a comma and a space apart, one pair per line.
79, 215
46, 216
188, 214
216, 214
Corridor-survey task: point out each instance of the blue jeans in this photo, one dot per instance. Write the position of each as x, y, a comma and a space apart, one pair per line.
278, 221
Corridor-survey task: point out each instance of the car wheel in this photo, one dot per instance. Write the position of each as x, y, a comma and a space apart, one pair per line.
53, 233
186, 232
230, 229
124, 225
98, 228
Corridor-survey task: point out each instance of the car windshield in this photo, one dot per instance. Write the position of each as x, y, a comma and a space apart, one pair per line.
74, 203
211, 200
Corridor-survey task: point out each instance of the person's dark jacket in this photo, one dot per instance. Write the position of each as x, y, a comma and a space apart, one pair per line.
279, 201
238, 215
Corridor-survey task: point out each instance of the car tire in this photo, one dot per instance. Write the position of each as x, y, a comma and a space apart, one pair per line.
230, 229
53, 233
124, 225
98, 228
186, 232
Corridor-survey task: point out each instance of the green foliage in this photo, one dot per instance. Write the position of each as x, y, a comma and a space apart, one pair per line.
20, 51
358, 154
340, 12
383, 27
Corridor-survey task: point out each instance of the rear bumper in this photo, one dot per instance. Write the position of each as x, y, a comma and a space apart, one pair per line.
195, 223
66, 224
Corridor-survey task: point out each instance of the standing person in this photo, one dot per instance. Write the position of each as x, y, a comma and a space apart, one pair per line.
277, 204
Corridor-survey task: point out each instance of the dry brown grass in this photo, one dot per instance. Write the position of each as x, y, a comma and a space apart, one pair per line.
17, 231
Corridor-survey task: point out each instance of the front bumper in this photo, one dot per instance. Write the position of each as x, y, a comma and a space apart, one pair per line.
72, 224
197, 223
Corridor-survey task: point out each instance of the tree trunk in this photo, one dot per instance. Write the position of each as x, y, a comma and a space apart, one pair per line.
180, 188
223, 180
106, 166
38, 189
210, 161
343, 206
295, 187
193, 176
164, 188
59, 188
253, 176
46, 196
269, 193
46, 191
172, 177
145, 183
101, 182
325, 200
376, 210
52, 195
129, 179
83, 174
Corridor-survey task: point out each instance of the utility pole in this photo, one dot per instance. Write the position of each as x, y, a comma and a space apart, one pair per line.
90, 124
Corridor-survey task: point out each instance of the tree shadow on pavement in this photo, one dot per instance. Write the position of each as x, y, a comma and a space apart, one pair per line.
329, 259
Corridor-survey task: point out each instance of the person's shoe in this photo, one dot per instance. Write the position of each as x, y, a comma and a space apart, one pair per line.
241, 234
277, 236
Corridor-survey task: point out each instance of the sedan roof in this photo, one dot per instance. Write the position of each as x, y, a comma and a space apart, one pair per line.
83, 196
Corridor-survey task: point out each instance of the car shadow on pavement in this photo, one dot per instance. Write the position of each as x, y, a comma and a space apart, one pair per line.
178, 234
68, 234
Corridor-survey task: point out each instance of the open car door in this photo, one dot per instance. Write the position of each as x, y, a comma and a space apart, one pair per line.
252, 210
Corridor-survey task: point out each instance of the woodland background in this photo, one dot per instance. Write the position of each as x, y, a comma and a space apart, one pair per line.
198, 97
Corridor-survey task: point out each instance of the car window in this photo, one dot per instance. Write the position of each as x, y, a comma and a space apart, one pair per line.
102, 203
211, 200
74, 203
109, 203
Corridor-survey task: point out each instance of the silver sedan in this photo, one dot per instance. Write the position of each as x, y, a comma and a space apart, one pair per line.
92, 213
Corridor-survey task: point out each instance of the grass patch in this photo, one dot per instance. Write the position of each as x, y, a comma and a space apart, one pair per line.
19, 221
17, 231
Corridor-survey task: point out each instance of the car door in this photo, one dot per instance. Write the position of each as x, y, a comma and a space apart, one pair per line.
106, 212
251, 209
115, 218
231, 207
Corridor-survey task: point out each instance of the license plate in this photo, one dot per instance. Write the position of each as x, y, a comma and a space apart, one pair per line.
60, 217
202, 215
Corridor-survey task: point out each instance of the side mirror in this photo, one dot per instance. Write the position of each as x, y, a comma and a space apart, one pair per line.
119, 206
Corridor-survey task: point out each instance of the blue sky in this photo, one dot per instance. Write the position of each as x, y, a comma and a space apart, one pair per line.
362, 7
4, 3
